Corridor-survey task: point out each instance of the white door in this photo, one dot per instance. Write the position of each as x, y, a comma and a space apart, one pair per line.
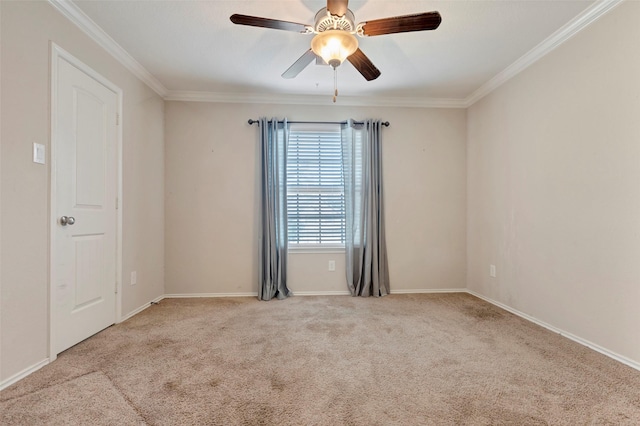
84, 204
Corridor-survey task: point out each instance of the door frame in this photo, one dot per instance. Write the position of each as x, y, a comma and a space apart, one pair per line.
57, 54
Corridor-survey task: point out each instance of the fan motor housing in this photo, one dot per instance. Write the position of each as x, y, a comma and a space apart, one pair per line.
326, 21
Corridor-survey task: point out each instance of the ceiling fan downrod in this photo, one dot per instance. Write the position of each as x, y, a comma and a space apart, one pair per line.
335, 84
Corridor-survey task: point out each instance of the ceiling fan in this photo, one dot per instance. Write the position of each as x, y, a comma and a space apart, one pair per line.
335, 31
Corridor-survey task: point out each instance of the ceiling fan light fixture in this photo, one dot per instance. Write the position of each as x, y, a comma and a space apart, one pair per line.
334, 46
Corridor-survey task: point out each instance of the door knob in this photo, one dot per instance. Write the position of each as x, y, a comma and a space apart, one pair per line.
67, 220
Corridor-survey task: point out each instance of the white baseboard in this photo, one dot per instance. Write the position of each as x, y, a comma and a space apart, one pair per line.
321, 293
631, 363
24, 373
428, 290
140, 309
187, 295
311, 293
407, 291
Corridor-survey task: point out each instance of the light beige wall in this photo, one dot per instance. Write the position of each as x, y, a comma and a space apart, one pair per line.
212, 205
27, 29
0, 192
553, 184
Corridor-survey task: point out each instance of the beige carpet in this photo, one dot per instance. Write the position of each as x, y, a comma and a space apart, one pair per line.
398, 360
84, 400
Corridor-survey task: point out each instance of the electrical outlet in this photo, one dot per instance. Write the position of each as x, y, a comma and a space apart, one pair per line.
134, 278
332, 265
492, 271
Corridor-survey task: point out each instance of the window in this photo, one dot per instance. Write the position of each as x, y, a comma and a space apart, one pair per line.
315, 187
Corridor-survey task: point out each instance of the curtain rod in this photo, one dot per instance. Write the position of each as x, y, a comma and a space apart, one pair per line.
252, 121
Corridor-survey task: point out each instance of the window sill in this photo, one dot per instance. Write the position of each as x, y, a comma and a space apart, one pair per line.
311, 250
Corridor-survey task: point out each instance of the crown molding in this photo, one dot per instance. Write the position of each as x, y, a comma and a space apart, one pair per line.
196, 96
574, 26
89, 27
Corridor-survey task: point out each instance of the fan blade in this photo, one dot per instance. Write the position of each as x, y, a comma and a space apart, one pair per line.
402, 24
337, 7
364, 66
300, 64
255, 21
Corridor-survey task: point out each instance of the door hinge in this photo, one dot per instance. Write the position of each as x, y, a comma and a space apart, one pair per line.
117, 203
117, 119
116, 288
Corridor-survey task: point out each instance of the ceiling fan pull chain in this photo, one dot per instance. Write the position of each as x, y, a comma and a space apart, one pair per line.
335, 84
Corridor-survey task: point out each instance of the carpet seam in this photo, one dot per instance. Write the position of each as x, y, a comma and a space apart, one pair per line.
126, 398
50, 386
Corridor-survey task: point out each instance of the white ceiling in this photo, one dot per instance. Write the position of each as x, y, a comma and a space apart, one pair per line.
193, 46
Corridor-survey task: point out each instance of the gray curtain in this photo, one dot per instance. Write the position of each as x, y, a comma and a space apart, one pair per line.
273, 210
365, 245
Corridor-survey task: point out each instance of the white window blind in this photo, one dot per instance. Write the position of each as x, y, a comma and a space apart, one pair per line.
315, 189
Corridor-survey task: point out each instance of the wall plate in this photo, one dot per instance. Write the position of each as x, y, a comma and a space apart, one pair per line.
39, 152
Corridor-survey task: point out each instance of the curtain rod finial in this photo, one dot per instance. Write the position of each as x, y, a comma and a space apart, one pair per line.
251, 121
